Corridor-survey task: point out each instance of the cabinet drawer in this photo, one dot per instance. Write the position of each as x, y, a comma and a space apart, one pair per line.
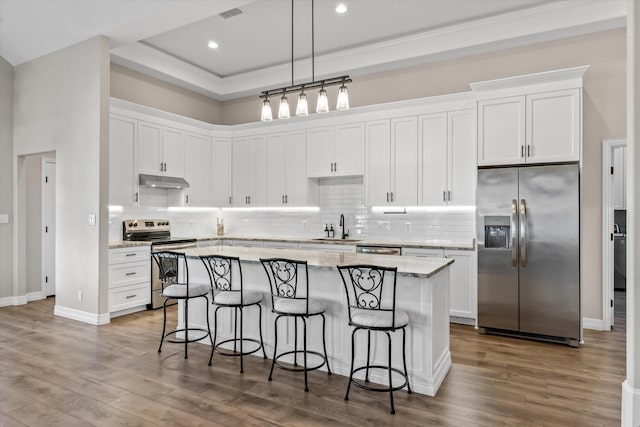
129, 296
134, 254
129, 273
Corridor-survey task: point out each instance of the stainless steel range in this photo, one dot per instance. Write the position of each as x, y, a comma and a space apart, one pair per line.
158, 232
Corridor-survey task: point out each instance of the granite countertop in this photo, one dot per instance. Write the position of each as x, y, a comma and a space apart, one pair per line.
127, 244
425, 244
408, 266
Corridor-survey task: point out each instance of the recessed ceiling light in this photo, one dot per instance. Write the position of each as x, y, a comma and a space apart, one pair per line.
341, 8
212, 45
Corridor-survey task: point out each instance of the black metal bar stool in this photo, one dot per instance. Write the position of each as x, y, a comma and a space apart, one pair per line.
372, 307
289, 300
227, 295
174, 276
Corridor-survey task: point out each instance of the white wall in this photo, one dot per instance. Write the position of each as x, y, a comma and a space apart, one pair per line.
61, 104
6, 179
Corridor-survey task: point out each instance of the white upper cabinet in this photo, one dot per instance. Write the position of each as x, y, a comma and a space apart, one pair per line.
249, 171
222, 154
197, 153
160, 150
447, 158
533, 128
335, 151
286, 173
123, 188
391, 162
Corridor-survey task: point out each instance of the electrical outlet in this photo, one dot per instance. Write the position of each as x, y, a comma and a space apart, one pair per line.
304, 224
384, 225
80, 296
92, 219
407, 226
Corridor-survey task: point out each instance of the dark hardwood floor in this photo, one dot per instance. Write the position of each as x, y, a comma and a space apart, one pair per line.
58, 372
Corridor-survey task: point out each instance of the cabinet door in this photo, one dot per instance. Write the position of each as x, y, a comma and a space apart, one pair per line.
240, 171
173, 152
461, 177
149, 148
320, 152
378, 152
404, 161
432, 185
257, 170
462, 281
619, 180
501, 131
197, 159
122, 157
553, 126
276, 165
296, 173
221, 171
349, 150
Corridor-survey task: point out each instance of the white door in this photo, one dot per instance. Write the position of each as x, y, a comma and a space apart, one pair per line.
276, 164
240, 170
49, 227
378, 148
349, 150
149, 148
197, 152
619, 181
404, 161
221, 171
257, 170
296, 172
501, 131
320, 152
173, 152
433, 159
461, 177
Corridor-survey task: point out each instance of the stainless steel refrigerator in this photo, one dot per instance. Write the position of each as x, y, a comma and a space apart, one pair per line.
528, 234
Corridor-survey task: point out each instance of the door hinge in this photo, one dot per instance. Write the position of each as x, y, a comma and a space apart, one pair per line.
46, 279
612, 303
46, 179
46, 229
612, 237
611, 170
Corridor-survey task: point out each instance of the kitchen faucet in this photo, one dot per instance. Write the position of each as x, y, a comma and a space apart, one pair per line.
344, 235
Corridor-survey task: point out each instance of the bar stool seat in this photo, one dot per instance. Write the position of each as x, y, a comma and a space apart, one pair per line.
180, 291
298, 306
377, 319
233, 298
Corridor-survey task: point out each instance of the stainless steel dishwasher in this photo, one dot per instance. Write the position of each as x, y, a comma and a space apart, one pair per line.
379, 250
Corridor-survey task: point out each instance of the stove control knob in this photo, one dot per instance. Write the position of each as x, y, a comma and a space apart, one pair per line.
130, 224
135, 224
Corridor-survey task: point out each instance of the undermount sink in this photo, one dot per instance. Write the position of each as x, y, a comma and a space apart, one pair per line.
334, 239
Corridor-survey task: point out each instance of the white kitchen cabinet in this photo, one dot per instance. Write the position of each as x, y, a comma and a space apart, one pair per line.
447, 166
619, 179
334, 151
123, 185
129, 279
391, 162
286, 173
533, 128
160, 150
221, 166
197, 161
250, 171
462, 281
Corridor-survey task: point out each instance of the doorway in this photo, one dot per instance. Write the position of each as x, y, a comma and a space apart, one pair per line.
48, 227
613, 230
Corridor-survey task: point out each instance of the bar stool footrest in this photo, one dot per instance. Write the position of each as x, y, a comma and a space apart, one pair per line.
359, 384
228, 352
300, 369
187, 339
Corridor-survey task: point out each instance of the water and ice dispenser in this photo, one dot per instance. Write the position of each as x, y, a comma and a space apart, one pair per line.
497, 232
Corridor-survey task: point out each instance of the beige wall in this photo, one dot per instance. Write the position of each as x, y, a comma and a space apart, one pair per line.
136, 87
6, 178
61, 104
604, 113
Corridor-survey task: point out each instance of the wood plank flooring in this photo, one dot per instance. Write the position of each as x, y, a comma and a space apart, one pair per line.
58, 372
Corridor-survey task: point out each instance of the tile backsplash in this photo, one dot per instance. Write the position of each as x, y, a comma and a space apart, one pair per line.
335, 196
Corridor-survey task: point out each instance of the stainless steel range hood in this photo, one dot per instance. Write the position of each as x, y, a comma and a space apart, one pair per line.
157, 181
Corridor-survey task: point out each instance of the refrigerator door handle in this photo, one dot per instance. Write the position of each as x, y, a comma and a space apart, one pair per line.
514, 244
523, 233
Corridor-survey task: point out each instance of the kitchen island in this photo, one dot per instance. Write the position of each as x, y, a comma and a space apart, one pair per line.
422, 291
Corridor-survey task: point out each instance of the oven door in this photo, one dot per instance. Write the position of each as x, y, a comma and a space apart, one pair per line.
156, 287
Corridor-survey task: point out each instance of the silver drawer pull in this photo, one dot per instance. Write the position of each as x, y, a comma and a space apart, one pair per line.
131, 296
131, 254
131, 274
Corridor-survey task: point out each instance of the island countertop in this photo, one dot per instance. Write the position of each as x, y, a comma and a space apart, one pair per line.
409, 266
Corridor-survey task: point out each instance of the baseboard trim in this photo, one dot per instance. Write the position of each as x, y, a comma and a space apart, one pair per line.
21, 299
593, 324
82, 316
630, 405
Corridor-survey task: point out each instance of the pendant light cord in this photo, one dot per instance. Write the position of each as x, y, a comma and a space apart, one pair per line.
291, 42
313, 71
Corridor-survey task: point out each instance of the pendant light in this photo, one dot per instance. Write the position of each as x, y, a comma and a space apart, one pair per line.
302, 107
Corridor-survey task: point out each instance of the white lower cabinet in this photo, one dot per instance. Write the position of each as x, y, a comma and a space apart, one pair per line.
463, 307
129, 279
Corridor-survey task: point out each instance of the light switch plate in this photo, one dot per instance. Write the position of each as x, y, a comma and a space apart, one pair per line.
4, 218
92, 219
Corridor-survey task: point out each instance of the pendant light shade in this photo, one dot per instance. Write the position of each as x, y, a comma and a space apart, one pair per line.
322, 105
266, 111
283, 111
343, 99
302, 109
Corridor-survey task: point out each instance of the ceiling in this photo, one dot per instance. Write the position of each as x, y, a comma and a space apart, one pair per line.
168, 39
